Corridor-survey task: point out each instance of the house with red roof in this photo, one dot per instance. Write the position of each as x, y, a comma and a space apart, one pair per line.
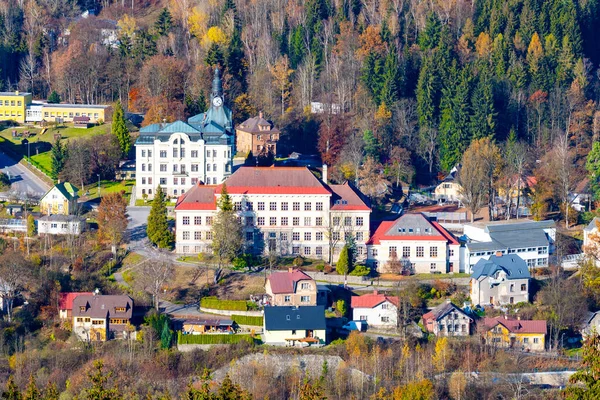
285, 209
65, 303
413, 244
293, 288
376, 309
504, 331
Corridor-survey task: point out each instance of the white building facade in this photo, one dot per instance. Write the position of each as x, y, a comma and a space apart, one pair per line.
377, 310
179, 155
284, 209
413, 240
57, 224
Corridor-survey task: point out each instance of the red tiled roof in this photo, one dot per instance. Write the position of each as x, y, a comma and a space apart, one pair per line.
252, 125
516, 325
382, 232
372, 300
345, 198
65, 301
285, 282
275, 180
200, 197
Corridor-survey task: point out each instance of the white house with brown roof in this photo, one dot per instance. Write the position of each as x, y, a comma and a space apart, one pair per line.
292, 288
376, 309
287, 209
413, 242
102, 317
447, 320
257, 135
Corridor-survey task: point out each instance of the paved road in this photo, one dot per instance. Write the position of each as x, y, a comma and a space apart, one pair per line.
22, 179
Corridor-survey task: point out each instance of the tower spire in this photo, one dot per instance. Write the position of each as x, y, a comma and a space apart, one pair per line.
217, 87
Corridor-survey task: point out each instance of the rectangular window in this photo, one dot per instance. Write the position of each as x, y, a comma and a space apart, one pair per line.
433, 252
307, 221
296, 221
208, 167
214, 153
163, 168
347, 221
261, 206
182, 182
287, 298
319, 206
194, 167
296, 206
175, 152
272, 206
432, 266
359, 236
319, 236
207, 153
335, 236
284, 206
209, 220
307, 206
524, 287
186, 220
237, 206
260, 221
197, 235
359, 221
273, 221
209, 235
307, 251
406, 252
249, 205
319, 251
186, 235
296, 236
420, 251
284, 221
163, 154
163, 181
143, 181
197, 220
451, 252
175, 181
319, 221
249, 236
536, 340
336, 221
307, 236
143, 153
249, 221
393, 251
283, 237
194, 153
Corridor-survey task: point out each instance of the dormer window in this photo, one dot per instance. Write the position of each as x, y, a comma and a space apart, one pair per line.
287, 317
410, 230
119, 309
82, 308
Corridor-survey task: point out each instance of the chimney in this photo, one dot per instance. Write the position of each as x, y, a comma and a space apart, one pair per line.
291, 269
518, 317
375, 292
505, 316
16, 92
260, 114
325, 173
499, 254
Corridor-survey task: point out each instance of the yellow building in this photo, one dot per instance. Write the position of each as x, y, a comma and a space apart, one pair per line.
515, 333
66, 112
13, 105
61, 199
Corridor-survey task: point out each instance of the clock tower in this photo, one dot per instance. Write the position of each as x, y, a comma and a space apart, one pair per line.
217, 90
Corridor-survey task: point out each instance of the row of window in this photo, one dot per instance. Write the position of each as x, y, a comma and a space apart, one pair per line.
540, 251
303, 299
274, 206
283, 236
406, 251
180, 153
70, 114
11, 103
454, 328
523, 287
12, 114
198, 235
181, 168
197, 220
532, 262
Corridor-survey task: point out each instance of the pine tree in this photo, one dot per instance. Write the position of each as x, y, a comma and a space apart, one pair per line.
32, 392
54, 98
372, 147
51, 392
11, 392
483, 118
31, 229
392, 78
163, 23
99, 391
158, 230
58, 158
344, 263
593, 167
430, 37
119, 129
214, 55
166, 336
227, 231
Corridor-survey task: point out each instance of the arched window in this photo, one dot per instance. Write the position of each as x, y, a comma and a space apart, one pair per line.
149, 191
143, 191
176, 141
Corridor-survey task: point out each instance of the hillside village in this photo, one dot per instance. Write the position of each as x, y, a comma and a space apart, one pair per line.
304, 201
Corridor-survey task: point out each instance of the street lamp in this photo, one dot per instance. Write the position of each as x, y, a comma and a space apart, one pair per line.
98, 185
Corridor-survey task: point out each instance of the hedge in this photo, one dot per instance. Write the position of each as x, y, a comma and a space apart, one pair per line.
213, 339
216, 304
247, 320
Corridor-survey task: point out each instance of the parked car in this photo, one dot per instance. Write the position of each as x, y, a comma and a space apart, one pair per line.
354, 326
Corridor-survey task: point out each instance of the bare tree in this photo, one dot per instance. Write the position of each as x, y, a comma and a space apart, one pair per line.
14, 276
153, 275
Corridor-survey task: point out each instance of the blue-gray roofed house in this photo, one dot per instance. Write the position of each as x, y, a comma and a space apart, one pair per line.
292, 325
502, 279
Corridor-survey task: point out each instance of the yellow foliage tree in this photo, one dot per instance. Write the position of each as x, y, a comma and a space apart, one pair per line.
483, 45
127, 25
197, 22
356, 346
420, 390
383, 115
535, 52
457, 385
440, 357
281, 72
214, 35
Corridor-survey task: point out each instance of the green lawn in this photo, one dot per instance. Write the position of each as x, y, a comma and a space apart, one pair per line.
107, 187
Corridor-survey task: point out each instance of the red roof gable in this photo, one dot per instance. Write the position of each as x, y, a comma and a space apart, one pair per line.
285, 282
516, 325
385, 232
346, 199
372, 300
200, 197
65, 301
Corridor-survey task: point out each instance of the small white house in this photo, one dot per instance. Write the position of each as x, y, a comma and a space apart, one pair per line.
294, 326
57, 224
377, 310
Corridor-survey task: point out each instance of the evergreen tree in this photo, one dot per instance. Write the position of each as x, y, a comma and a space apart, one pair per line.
344, 263
31, 228
428, 88
214, 55
51, 392
163, 23
58, 158
482, 103
119, 129
144, 45
11, 392
228, 238
586, 381
297, 47
158, 230
454, 122
99, 380
166, 336
593, 167
54, 98
31, 392
430, 37
372, 74
372, 148
392, 78
235, 58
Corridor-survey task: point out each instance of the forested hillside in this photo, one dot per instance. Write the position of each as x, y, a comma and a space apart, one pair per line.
415, 81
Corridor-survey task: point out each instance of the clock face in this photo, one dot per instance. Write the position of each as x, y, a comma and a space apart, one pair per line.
217, 102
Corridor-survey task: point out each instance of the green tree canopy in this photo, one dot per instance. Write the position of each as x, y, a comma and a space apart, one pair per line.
119, 129
158, 230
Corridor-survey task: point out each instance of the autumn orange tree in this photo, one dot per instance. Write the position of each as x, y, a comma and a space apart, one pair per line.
112, 218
